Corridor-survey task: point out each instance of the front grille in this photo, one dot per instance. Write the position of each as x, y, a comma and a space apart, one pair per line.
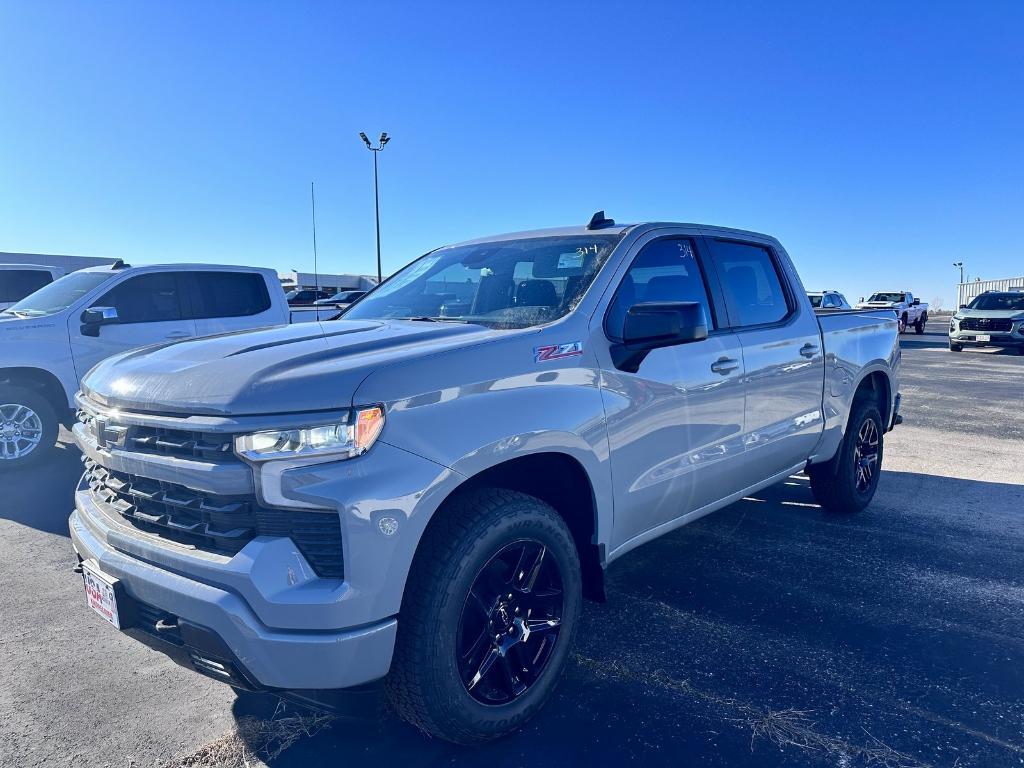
998, 324
219, 524
182, 443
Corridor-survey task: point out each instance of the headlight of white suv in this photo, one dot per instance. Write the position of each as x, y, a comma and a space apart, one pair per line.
340, 440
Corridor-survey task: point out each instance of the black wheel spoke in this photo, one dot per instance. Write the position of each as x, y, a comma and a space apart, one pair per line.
485, 666
516, 687
539, 626
542, 601
482, 641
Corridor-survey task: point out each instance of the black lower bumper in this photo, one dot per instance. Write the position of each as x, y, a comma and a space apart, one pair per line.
202, 650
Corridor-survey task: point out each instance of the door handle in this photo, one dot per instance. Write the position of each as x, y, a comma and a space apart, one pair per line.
178, 335
725, 365
809, 350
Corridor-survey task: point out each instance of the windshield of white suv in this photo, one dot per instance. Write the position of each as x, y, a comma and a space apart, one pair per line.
894, 298
504, 284
59, 295
1011, 302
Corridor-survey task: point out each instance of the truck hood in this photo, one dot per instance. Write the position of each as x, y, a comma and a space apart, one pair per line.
879, 304
288, 369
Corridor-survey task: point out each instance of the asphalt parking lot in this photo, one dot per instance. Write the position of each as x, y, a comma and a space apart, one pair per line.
769, 634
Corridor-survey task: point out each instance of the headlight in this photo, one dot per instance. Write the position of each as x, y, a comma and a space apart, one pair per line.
342, 440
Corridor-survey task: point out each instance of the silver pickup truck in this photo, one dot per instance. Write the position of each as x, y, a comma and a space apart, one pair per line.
419, 495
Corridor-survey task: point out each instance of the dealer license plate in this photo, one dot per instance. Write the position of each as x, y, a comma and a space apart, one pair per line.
99, 591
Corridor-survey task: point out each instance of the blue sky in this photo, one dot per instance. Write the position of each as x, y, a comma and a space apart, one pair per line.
879, 142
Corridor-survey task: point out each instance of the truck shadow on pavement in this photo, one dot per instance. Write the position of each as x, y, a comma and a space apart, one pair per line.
43, 496
773, 633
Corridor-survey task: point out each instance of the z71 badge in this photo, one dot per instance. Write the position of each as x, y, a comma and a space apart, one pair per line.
557, 351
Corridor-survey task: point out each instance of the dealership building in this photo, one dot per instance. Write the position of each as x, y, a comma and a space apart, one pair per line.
327, 282
968, 291
66, 263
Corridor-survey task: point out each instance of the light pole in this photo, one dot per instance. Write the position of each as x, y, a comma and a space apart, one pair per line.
376, 193
960, 264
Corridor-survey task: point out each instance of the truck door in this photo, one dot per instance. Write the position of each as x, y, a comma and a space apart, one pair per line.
782, 356
150, 310
675, 426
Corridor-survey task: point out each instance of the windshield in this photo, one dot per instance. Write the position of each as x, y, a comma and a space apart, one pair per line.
59, 295
1012, 302
894, 298
503, 284
815, 300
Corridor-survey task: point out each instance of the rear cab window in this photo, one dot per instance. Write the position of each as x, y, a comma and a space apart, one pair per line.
227, 294
755, 293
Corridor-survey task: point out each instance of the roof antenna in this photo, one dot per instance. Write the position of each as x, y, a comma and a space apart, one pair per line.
598, 221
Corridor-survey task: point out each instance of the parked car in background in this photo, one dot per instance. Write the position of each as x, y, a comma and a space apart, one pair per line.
828, 300
994, 318
342, 299
425, 489
305, 296
19, 280
909, 311
50, 339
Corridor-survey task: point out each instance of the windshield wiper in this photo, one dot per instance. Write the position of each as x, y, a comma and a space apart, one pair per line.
428, 319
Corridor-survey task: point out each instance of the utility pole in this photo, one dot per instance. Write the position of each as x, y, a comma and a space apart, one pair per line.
316, 269
960, 264
376, 190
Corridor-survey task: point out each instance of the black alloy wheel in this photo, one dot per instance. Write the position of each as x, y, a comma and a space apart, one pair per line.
865, 455
510, 623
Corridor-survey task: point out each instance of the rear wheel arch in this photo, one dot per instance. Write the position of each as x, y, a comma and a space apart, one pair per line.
875, 386
560, 481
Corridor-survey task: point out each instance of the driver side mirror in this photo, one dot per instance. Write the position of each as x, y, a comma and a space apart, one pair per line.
963, 306
653, 325
917, 302
96, 317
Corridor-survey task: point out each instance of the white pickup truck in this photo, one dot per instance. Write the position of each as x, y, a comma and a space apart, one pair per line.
909, 310
51, 338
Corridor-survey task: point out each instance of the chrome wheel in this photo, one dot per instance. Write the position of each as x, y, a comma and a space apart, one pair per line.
510, 623
21, 429
865, 455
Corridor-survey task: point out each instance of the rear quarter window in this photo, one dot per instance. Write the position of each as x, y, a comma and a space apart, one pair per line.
754, 292
228, 294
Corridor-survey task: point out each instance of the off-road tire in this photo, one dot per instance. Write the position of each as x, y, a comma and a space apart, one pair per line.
13, 394
424, 686
919, 325
902, 323
959, 347
834, 483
